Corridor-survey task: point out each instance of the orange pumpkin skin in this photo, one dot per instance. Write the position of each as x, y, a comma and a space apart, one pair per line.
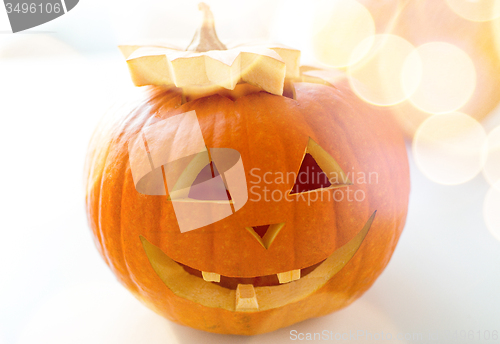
271, 133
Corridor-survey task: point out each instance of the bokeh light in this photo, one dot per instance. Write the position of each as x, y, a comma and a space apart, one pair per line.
491, 169
449, 148
491, 210
379, 78
476, 10
448, 78
495, 27
339, 27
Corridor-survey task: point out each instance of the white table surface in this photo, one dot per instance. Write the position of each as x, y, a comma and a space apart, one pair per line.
54, 288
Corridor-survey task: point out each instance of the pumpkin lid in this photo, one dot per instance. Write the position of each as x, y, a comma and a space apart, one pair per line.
208, 64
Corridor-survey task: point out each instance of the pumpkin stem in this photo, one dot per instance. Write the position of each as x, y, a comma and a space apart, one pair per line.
205, 38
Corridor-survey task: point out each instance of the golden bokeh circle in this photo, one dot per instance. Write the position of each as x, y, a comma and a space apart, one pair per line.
491, 210
449, 148
388, 74
448, 78
476, 10
339, 26
491, 169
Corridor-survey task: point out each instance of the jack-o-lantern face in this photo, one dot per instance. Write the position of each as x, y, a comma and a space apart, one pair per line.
257, 210
298, 248
212, 186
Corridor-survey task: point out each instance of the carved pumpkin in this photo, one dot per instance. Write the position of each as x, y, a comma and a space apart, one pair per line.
325, 191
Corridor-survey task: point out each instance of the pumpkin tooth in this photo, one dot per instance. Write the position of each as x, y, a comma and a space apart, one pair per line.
288, 276
246, 299
210, 276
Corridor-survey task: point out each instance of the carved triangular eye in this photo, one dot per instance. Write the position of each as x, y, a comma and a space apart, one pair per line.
318, 170
209, 185
200, 180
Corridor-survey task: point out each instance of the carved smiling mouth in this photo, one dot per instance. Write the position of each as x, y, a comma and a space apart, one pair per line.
259, 281
293, 285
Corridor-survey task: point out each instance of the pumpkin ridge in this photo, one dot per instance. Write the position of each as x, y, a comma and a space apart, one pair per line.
98, 136
135, 286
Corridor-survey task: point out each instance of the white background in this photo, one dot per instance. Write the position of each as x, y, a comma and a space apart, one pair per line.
58, 79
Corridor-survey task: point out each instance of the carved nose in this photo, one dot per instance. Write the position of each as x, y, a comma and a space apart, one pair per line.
261, 230
265, 234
